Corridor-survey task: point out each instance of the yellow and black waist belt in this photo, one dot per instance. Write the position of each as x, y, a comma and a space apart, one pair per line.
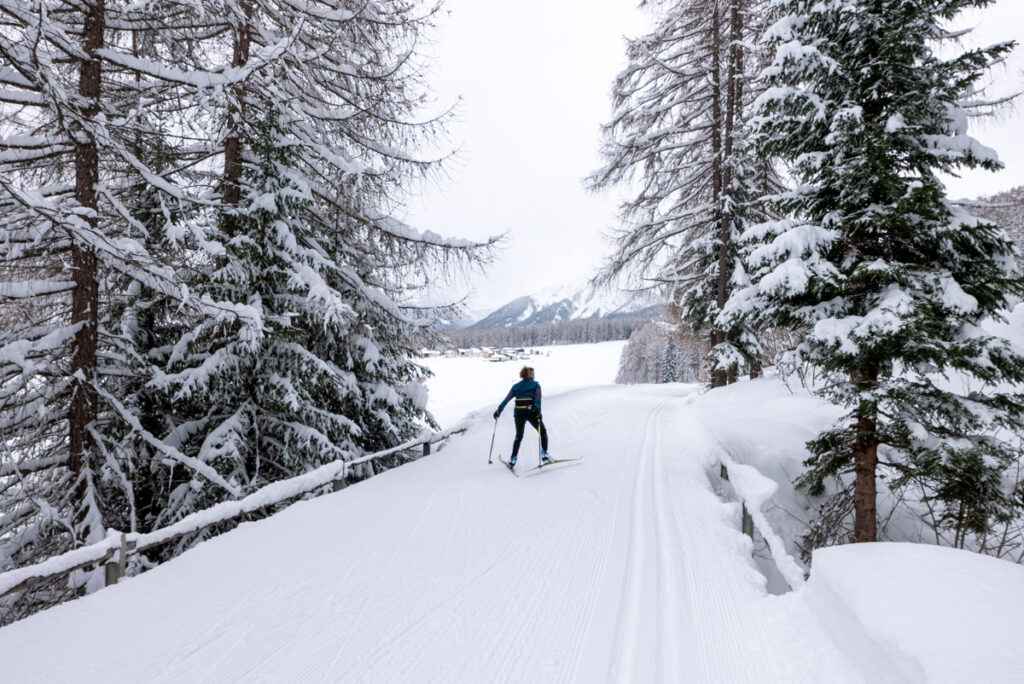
524, 404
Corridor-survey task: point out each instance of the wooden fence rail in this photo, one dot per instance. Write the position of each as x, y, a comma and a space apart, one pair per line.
113, 551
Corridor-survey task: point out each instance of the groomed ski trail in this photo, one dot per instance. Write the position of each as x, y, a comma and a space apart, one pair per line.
623, 568
648, 643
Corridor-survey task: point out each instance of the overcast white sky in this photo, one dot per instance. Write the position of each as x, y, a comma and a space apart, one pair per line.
534, 77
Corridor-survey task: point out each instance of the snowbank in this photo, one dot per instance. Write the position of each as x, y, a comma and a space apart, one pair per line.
936, 614
765, 425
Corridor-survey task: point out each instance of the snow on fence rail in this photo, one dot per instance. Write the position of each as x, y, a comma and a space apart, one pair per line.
120, 544
753, 490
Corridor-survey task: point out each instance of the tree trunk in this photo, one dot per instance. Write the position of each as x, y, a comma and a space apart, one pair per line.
727, 161
961, 532
232, 193
865, 455
719, 377
84, 267
733, 103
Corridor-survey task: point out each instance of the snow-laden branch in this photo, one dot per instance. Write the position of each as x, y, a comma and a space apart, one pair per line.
194, 464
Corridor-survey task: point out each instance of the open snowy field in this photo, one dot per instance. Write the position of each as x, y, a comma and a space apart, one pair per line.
460, 386
626, 567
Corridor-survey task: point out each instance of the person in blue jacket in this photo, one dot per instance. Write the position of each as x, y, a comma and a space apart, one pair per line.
526, 393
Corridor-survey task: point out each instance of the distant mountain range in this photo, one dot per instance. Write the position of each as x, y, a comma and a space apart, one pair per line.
567, 303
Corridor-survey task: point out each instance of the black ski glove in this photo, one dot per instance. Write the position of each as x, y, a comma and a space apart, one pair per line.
497, 414
540, 418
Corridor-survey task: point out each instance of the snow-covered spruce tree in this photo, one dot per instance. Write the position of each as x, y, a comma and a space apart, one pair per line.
677, 133
72, 248
670, 362
164, 234
888, 278
315, 147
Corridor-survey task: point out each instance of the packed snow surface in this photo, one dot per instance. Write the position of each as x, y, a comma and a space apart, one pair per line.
624, 567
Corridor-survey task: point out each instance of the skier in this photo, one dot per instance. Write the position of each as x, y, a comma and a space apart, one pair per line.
527, 410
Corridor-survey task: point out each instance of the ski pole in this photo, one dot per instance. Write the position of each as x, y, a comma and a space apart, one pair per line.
540, 448
491, 451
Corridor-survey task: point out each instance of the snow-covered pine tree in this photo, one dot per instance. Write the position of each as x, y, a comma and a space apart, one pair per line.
315, 143
670, 362
677, 132
72, 249
131, 352
888, 278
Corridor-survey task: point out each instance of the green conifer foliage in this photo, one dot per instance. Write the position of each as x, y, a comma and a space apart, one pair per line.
889, 279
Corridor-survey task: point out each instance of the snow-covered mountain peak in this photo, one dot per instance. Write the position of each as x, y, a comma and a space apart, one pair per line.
566, 302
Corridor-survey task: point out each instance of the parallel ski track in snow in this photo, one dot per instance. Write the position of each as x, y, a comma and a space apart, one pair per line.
652, 515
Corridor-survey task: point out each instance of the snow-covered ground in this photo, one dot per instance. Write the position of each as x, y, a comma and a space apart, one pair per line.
625, 567
922, 613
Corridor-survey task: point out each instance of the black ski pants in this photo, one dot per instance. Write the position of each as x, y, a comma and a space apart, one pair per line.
522, 419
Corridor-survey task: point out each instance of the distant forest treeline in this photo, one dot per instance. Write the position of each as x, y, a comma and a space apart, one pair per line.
1006, 210
578, 331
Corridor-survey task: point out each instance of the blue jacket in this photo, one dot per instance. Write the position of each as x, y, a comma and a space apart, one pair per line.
527, 396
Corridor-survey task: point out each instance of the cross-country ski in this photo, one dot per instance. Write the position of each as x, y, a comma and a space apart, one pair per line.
511, 466
554, 461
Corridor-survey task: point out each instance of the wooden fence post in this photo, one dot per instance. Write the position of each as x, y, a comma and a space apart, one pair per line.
111, 570
340, 483
115, 567
746, 522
